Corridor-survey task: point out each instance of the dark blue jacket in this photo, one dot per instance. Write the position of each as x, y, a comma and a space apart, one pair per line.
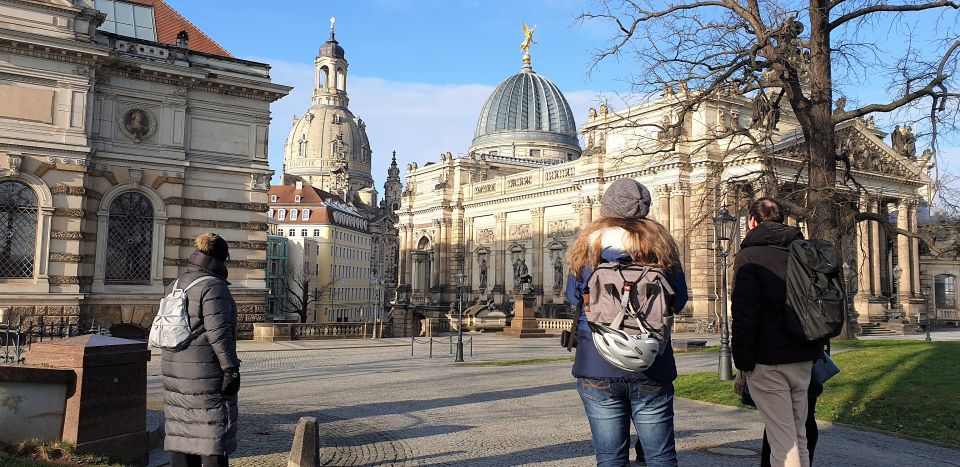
589, 363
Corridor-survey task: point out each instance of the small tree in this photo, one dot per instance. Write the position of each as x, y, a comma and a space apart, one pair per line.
300, 297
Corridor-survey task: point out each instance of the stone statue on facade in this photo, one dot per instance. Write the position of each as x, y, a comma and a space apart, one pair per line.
483, 272
909, 142
896, 139
558, 273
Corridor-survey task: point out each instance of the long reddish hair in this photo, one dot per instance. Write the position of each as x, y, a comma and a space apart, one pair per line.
646, 241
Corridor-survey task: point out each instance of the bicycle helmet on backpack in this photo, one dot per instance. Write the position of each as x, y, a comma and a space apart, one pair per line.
631, 353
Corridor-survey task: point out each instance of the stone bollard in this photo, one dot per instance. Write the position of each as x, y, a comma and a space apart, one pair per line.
106, 407
306, 444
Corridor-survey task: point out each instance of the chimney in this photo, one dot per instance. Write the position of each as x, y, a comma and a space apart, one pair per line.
299, 184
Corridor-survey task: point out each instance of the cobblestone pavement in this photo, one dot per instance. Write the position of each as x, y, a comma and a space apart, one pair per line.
380, 406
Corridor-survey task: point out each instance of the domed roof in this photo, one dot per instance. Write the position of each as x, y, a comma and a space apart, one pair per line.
331, 48
526, 107
323, 135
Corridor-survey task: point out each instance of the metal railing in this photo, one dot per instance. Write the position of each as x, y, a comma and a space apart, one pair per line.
16, 338
429, 342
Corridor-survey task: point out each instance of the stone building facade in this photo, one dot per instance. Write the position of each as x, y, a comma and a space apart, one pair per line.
497, 217
116, 151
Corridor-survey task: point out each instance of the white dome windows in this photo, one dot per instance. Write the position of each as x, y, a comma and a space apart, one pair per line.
302, 151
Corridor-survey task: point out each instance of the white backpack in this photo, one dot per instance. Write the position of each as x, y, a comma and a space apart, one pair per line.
171, 327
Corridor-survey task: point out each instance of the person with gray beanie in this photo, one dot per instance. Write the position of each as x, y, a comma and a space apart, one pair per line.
613, 396
200, 382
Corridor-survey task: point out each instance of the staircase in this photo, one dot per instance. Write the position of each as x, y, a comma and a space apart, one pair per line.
876, 329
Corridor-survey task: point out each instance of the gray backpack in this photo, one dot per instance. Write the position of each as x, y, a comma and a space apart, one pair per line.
171, 327
642, 292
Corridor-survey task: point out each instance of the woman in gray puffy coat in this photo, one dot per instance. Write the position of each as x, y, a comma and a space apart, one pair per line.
201, 381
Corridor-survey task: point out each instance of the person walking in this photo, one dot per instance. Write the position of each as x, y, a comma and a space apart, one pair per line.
201, 382
611, 395
777, 364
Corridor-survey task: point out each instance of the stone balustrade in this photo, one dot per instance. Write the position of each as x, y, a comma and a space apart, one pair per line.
555, 324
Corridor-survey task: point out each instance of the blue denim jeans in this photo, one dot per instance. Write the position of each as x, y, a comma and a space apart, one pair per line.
611, 406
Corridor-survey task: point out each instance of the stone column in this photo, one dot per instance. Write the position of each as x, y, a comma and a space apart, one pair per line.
702, 266
679, 200
905, 285
468, 259
584, 208
443, 262
500, 262
914, 248
876, 257
869, 306
536, 230
403, 259
663, 205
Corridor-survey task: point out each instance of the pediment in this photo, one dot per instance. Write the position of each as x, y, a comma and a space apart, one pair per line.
868, 152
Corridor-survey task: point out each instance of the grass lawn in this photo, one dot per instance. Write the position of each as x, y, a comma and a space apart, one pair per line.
906, 387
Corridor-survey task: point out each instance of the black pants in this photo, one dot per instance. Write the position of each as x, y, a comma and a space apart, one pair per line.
179, 459
812, 434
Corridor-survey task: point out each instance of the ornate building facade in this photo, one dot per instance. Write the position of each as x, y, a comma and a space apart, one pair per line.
124, 133
498, 217
328, 151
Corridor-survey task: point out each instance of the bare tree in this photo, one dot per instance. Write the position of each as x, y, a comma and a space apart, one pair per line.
795, 57
304, 291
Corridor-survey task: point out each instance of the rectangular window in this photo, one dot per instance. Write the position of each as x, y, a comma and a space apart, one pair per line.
946, 291
303, 232
283, 214
534, 153
128, 19
306, 214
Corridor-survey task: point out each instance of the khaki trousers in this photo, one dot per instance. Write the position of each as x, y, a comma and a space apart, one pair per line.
780, 392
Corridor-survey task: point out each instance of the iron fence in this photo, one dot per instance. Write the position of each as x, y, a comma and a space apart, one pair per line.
429, 342
17, 337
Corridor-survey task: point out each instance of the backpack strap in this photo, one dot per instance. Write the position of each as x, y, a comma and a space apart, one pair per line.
584, 303
195, 282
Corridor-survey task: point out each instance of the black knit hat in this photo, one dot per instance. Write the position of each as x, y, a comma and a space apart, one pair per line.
213, 245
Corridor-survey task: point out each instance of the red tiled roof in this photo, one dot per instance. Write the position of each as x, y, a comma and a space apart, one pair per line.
170, 23
287, 194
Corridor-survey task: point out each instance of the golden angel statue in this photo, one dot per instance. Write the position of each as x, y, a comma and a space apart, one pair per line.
528, 37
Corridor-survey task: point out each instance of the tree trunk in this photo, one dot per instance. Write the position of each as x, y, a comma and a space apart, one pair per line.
820, 132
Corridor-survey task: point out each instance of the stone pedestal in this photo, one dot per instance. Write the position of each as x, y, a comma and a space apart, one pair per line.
870, 309
107, 404
524, 323
272, 332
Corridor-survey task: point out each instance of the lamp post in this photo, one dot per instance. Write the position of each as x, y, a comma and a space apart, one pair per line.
461, 282
847, 308
724, 223
925, 291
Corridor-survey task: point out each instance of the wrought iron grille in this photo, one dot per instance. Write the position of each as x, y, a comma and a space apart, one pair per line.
18, 229
130, 239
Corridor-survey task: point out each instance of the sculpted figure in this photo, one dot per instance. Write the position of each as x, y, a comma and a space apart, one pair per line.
527, 37
483, 272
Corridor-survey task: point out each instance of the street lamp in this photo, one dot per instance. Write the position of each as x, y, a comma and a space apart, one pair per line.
724, 223
461, 281
847, 307
925, 291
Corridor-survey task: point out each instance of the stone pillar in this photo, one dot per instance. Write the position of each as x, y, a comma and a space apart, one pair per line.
107, 406
500, 262
905, 286
679, 201
468, 258
536, 230
702, 266
443, 262
524, 324
663, 205
869, 306
875, 250
914, 248
584, 208
403, 258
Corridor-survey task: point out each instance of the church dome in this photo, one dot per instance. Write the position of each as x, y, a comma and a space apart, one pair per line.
331, 48
527, 116
323, 136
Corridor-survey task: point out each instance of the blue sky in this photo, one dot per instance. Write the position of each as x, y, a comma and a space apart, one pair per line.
420, 70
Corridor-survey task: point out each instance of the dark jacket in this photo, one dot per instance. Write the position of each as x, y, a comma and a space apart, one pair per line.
588, 362
200, 419
759, 301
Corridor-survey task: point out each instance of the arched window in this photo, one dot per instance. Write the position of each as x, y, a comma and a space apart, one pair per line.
129, 239
293, 214
273, 198
297, 199
316, 233
270, 213
303, 232
18, 229
306, 214
341, 80
945, 291
322, 77
303, 146
283, 214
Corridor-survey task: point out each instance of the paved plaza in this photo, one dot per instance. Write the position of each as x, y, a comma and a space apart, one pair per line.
378, 405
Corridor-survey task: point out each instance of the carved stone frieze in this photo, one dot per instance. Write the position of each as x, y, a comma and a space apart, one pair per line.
520, 232
71, 190
484, 236
561, 227
66, 212
65, 258
65, 280
63, 235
